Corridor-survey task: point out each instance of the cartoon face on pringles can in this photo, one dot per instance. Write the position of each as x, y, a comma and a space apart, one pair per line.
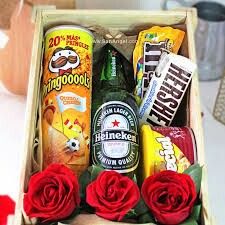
66, 97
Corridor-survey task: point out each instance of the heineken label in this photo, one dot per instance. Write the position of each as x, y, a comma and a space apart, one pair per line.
115, 137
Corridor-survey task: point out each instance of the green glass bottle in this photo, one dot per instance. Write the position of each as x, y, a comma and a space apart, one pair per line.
115, 140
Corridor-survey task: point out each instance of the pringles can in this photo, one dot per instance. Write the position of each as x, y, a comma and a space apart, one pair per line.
66, 97
166, 148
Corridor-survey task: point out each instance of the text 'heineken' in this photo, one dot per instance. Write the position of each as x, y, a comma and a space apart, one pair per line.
115, 140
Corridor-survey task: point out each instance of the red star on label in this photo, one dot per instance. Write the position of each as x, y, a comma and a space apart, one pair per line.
115, 123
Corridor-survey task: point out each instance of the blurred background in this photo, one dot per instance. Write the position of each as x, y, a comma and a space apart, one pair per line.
16, 32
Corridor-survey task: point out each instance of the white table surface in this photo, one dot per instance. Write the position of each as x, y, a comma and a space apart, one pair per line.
12, 110
214, 136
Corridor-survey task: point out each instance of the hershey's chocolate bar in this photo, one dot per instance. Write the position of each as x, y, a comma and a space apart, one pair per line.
166, 89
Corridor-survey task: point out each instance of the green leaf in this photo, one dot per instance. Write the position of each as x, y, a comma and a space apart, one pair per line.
130, 215
84, 180
95, 171
87, 177
195, 171
135, 178
196, 212
189, 221
146, 218
141, 208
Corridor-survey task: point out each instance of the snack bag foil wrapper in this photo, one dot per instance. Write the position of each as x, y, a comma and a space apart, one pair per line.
166, 89
147, 53
66, 97
166, 148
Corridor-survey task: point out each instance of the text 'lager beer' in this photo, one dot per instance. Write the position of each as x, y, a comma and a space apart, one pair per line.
115, 140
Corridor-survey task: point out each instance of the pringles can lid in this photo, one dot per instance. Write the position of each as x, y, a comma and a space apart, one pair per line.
69, 27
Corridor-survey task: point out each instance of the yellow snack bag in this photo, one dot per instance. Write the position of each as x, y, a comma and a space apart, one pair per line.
166, 148
147, 53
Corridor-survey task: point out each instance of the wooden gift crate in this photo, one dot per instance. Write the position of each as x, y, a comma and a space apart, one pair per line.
128, 21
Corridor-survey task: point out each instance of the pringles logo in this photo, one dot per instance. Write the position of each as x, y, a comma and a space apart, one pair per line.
62, 62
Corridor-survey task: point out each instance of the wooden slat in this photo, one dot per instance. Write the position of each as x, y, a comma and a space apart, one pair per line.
195, 118
31, 116
124, 20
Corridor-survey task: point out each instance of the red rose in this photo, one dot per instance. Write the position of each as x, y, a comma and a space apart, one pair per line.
170, 196
112, 195
7, 207
52, 194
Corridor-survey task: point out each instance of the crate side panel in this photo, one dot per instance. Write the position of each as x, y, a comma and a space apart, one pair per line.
123, 20
31, 116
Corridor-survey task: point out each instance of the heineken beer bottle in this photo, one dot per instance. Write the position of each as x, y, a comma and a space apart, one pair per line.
115, 139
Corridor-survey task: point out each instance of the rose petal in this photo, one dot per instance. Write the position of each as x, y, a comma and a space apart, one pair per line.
112, 195
52, 194
170, 196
